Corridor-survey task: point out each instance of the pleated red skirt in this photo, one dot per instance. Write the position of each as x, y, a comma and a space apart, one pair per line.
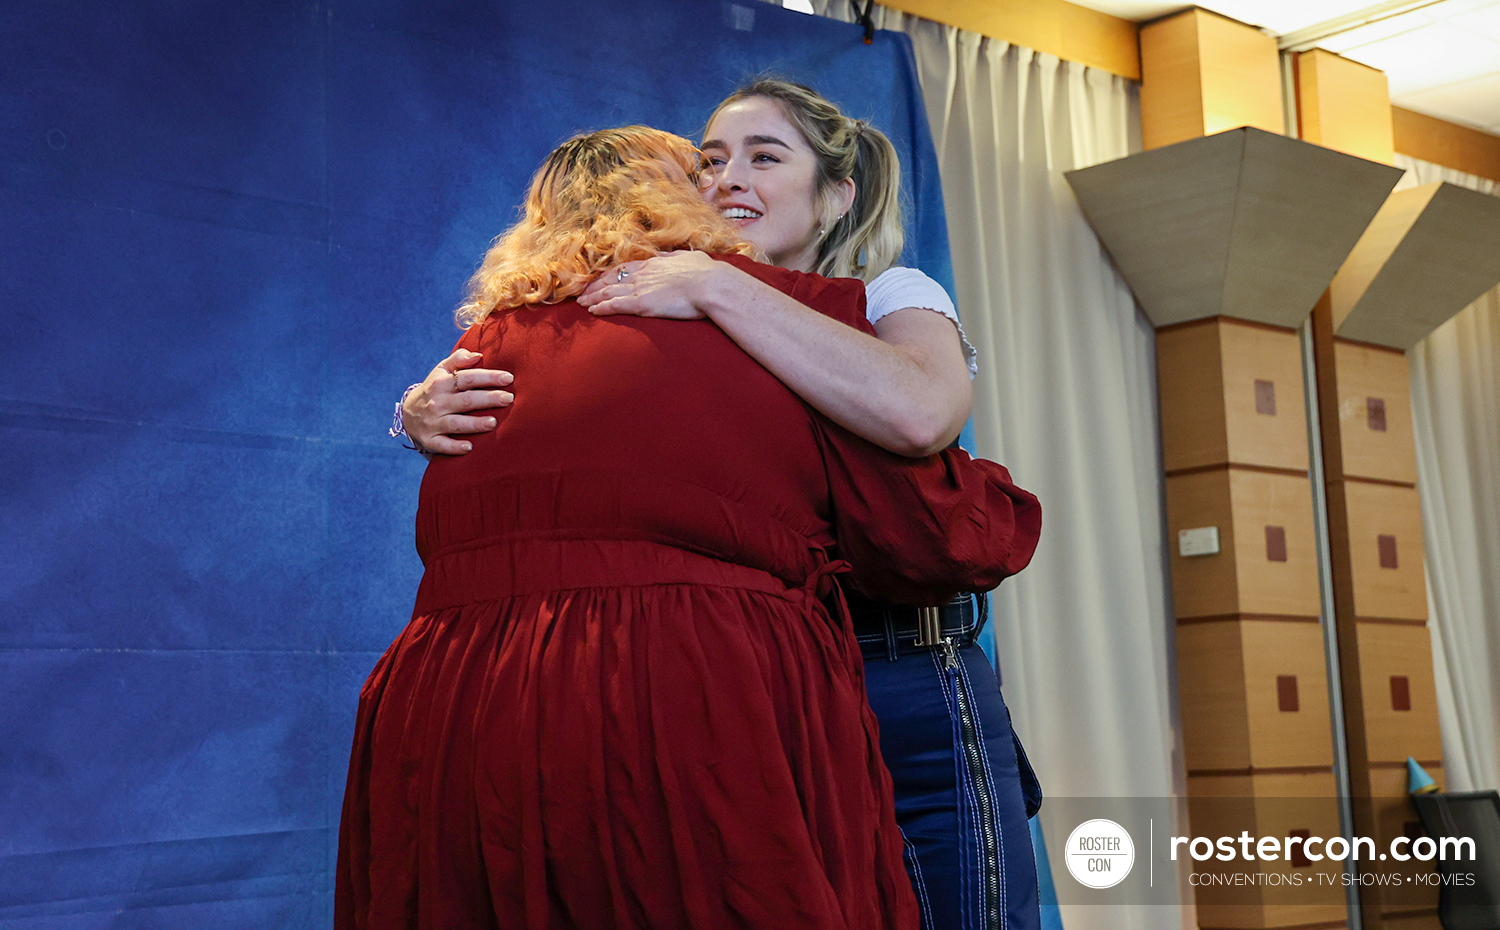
634, 736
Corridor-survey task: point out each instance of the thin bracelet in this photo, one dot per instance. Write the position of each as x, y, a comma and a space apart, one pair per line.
398, 423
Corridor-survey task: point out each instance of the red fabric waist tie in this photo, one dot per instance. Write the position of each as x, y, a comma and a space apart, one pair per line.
519, 566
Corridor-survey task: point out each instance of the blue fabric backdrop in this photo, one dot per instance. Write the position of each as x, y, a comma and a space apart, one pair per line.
232, 233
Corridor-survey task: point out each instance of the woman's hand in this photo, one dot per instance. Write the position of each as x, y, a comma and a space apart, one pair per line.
433, 413
667, 287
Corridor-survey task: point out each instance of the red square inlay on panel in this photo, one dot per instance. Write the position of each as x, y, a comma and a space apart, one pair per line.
1387, 546
1286, 694
1400, 692
1276, 544
1265, 397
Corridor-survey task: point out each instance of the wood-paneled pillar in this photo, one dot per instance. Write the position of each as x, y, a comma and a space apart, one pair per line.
1250, 647
1202, 73
1380, 601
1374, 513
1250, 656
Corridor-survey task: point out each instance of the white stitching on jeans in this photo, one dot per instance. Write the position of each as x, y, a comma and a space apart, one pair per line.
918, 881
994, 798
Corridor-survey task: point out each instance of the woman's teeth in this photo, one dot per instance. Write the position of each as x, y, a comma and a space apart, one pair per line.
740, 213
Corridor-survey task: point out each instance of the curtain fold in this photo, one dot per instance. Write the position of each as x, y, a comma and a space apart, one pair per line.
1455, 392
1066, 398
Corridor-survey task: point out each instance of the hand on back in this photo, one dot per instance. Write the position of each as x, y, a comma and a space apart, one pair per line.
667, 287
435, 412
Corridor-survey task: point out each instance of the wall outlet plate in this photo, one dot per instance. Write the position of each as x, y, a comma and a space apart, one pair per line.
1203, 540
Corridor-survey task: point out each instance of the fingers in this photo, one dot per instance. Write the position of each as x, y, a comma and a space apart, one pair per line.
652, 306
479, 379
611, 281
606, 277
461, 358
610, 306
477, 400
444, 445
456, 425
597, 293
443, 434
457, 373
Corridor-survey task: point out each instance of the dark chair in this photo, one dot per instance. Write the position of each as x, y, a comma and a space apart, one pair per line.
1474, 815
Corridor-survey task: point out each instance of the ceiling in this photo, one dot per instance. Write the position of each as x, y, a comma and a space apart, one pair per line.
1442, 57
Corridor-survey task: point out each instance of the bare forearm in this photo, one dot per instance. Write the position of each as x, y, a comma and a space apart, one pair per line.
910, 395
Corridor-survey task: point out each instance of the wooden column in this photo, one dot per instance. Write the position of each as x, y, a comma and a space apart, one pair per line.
1202, 73
1374, 514
1250, 656
1344, 105
1380, 602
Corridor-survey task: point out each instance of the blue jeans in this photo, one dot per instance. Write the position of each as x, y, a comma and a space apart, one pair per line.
962, 786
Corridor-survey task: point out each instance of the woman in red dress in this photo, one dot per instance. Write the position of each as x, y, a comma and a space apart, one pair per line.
627, 696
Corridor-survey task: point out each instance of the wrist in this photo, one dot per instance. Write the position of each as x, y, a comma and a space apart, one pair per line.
722, 291
398, 422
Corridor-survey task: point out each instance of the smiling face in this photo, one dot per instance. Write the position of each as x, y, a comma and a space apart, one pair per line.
762, 176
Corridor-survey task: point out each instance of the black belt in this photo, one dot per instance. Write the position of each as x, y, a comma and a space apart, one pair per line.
895, 629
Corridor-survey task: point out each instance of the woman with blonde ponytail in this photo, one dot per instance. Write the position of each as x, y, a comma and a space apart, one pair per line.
819, 192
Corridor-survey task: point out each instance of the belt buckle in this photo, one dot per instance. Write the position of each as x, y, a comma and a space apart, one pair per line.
929, 626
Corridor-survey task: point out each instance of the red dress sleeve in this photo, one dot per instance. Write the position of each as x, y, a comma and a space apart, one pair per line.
918, 531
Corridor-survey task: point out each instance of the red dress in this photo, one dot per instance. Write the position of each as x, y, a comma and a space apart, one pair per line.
621, 700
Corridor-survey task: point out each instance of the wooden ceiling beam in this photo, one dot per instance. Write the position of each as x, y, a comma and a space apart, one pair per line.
1069, 31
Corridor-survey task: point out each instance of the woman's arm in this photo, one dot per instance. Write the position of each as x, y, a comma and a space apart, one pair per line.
907, 391
433, 412
919, 531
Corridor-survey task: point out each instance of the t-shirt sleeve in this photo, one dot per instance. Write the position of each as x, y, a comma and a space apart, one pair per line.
918, 531
902, 288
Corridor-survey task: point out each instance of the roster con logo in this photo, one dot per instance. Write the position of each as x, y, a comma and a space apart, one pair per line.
1099, 853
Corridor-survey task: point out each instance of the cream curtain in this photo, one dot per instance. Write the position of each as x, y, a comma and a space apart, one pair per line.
1455, 388
1066, 397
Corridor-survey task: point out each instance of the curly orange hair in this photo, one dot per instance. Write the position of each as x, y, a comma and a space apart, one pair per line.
611, 196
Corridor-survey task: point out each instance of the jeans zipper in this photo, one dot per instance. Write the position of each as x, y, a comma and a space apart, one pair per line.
974, 761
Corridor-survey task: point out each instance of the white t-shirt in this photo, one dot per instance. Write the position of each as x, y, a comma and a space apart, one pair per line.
899, 288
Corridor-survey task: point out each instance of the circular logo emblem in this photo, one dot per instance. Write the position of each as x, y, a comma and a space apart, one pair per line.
1099, 853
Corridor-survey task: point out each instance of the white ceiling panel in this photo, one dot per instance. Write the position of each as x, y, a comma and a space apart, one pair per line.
1137, 11
1429, 57
1282, 16
1376, 32
1484, 21
1475, 102
1441, 58
1449, 8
